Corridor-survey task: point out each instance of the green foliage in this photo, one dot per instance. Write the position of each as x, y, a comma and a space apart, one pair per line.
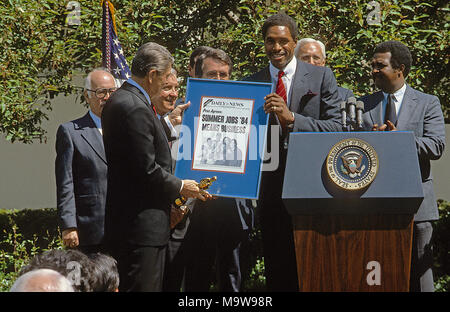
42, 52
441, 248
23, 234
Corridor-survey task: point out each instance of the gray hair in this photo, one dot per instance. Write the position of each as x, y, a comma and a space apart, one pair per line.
42, 280
151, 56
309, 40
88, 80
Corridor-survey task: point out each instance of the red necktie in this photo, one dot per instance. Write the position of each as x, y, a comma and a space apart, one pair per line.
281, 90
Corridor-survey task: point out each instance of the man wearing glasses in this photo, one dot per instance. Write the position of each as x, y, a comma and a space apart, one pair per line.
81, 169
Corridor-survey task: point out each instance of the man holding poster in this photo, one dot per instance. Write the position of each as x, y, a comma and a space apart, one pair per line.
218, 229
307, 100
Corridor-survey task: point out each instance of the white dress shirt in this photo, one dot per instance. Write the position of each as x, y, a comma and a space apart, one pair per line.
288, 77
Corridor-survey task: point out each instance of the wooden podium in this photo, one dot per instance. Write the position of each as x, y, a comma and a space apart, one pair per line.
352, 240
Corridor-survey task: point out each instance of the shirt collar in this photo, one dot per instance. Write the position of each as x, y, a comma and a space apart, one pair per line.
289, 70
134, 83
397, 94
96, 119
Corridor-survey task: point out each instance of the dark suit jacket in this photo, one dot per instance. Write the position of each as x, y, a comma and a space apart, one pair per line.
140, 181
81, 170
314, 97
344, 93
422, 114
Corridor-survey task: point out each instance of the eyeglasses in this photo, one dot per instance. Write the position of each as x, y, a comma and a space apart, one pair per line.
101, 93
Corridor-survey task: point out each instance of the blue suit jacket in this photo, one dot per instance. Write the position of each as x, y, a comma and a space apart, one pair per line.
81, 177
422, 114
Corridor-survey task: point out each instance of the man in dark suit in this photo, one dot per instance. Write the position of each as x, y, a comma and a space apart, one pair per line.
218, 229
399, 107
313, 52
177, 251
81, 169
306, 100
141, 186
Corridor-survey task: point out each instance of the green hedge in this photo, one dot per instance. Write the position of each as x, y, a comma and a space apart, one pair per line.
24, 233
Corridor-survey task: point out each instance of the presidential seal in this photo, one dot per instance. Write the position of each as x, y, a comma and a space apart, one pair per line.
352, 164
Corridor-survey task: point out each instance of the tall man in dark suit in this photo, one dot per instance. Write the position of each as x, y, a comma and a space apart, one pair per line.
141, 186
313, 52
218, 229
399, 107
307, 100
81, 169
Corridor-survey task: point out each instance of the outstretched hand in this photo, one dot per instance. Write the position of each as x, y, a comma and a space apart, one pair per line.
176, 116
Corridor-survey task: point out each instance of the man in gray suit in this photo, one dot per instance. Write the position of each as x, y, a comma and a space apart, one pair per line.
399, 107
81, 169
306, 100
312, 51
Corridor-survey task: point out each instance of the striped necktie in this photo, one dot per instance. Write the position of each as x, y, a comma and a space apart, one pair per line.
281, 90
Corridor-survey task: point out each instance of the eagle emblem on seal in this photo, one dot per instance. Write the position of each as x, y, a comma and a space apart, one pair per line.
351, 164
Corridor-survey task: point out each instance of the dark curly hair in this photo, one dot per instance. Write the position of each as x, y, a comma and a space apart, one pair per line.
400, 54
107, 275
280, 19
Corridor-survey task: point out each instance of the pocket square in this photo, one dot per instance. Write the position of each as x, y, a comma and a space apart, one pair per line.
310, 93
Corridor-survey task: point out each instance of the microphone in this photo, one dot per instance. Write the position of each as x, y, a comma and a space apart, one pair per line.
351, 103
359, 114
344, 114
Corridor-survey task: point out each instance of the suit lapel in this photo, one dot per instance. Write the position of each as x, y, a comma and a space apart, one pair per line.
409, 105
299, 87
376, 108
92, 136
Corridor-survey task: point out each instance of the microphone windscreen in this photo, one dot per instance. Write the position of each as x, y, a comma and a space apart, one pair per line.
360, 105
351, 100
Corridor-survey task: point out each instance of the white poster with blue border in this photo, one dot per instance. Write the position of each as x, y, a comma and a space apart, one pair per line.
223, 134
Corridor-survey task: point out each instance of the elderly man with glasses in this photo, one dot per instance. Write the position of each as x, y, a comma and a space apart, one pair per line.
81, 169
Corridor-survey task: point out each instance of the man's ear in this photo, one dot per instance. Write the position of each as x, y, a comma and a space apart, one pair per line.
86, 95
401, 70
151, 75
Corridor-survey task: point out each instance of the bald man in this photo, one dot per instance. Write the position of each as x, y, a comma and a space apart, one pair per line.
313, 52
81, 169
42, 280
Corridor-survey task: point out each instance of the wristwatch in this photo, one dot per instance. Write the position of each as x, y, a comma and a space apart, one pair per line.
291, 125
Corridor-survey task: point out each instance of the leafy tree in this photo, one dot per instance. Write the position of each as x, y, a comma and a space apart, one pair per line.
42, 52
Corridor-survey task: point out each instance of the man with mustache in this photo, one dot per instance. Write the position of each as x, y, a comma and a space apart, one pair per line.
306, 100
399, 107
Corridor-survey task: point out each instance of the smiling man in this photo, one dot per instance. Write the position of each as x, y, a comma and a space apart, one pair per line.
306, 100
397, 106
141, 185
